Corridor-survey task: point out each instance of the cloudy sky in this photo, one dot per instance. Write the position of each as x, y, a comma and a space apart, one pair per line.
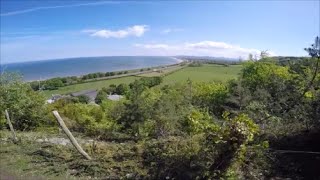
35, 30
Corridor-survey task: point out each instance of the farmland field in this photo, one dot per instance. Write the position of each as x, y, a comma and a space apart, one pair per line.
161, 72
90, 85
205, 73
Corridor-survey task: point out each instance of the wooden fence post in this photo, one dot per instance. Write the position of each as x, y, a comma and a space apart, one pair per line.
10, 126
70, 136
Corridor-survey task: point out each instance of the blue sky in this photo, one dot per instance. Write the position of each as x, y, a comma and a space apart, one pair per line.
37, 30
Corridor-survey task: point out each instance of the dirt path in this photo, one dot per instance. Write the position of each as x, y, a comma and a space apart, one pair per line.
4, 175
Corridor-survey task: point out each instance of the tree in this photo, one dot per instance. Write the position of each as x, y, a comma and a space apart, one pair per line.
35, 85
101, 96
314, 52
53, 84
209, 95
122, 89
84, 99
264, 54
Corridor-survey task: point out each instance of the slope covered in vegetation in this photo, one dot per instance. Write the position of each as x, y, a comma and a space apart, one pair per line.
265, 124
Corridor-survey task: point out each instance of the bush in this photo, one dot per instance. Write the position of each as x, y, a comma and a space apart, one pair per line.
25, 106
122, 89
195, 64
200, 122
213, 154
172, 157
89, 119
210, 95
101, 96
53, 84
84, 99
263, 74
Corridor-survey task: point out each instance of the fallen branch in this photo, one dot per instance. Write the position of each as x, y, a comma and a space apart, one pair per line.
10, 126
70, 136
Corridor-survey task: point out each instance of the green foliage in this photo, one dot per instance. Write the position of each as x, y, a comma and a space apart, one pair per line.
193, 130
241, 128
172, 158
122, 89
113, 109
195, 64
263, 74
53, 84
25, 106
209, 95
200, 122
101, 96
209, 155
165, 109
89, 119
84, 99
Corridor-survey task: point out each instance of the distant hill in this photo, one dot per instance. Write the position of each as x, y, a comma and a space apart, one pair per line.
205, 58
289, 58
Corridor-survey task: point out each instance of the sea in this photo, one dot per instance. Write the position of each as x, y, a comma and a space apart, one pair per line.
46, 69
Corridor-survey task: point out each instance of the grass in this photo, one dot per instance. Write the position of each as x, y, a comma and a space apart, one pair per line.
204, 73
36, 160
162, 72
90, 85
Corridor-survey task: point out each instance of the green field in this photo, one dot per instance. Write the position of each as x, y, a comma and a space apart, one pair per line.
205, 73
162, 72
90, 85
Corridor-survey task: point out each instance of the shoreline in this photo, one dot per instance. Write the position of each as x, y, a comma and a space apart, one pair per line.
130, 71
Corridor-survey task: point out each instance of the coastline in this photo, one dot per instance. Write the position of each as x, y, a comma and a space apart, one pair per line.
131, 72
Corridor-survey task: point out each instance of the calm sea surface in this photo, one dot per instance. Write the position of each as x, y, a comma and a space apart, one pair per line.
79, 66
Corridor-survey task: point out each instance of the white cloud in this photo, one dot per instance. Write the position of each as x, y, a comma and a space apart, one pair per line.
203, 48
209, 45
23, 11
153, 46
170, 30
137, 31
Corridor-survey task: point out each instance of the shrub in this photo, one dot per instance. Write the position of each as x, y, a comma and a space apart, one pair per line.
25, 106
212, 154
101, 96
263, 74
172, 157
89, 119
84, 99
210, 95
122, 89
53, 84
199, 122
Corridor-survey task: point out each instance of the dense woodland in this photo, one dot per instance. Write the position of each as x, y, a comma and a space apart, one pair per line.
264, 124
